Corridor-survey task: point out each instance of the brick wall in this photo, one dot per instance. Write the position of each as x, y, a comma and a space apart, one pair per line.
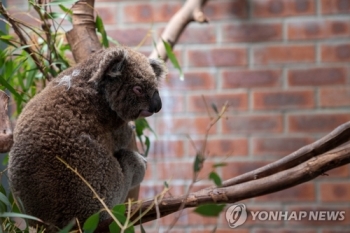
283, 67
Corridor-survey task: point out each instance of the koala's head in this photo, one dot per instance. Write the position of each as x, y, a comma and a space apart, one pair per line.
129, 81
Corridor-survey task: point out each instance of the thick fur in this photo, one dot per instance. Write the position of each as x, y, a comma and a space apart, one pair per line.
82, 117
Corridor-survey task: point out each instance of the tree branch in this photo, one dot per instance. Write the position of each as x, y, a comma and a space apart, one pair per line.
191, 11
6, 137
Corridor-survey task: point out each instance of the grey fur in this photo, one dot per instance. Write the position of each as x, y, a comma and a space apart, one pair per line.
87, 126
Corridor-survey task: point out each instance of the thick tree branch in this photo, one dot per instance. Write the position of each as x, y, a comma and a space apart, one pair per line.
6, 137
191, 11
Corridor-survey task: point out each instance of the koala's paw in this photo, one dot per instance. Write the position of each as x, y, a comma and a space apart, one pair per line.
139, 173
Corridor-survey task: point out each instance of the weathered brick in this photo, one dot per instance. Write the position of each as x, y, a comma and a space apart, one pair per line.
316, 122
184, 125
172, 103
227, 9
181, 170
335, 53
335, 96
277, 8
284, 54
161, 149
222, 147
278, 146
286, 99
317, 76
271, 123
335, 192
150, 191
284, 230
194, 80
318, 29
235, 101
335, 6
108, 14
251, 78
198, 34
303, 192
217, 57
130, 36
252, 32
148, 13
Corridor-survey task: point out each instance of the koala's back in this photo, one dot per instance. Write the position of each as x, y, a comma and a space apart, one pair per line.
71, 124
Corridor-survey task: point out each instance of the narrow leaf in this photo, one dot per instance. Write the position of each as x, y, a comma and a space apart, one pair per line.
166, 185
142, 229
173, 58
198, 163
210, 210
67, 228
215, 108
68, 12
219, 165
9, 87
91, 223
148, 144
216, 178
4, 199
101, 29
18, 215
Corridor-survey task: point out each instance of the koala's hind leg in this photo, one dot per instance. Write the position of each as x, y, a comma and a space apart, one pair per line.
133, 165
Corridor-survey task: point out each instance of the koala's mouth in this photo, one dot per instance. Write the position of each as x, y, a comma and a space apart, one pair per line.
145, 113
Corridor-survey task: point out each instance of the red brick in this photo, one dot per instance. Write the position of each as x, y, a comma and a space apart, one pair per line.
339, 172
148, 13
335, 192
233, 169
235, 101
172, 103
335, 97
335, 6
222, 147
220, 230
278, 146
226, 9
198, 220
184, 125
194, 80
162, 149
217, 57
303, 192
316, 122
150, 191
318, 29
286, 99
284, 230
314, 223
108, 14
252, 32
284, 54
251, 78
277, 8
130, 36
181, 170
335, 53
198, 34
249, 124
317, 76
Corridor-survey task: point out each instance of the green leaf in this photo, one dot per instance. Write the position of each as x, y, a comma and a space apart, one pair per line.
101, 29
166, 184
9, 87
173, 58
216, 178
57, 2
215, 108
210, 210
215, 165
68, 12
67, 228
4, 199
91, 223
18, 215
198, 162
142, 229
148, 144
121, 208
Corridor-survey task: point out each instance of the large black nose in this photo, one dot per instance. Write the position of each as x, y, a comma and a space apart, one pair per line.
156, 103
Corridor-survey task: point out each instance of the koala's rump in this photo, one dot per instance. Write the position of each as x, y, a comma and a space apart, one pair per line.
56, 125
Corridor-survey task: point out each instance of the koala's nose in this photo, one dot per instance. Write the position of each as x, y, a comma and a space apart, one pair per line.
156, 102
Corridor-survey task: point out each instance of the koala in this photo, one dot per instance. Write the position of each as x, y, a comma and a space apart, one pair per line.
82, 117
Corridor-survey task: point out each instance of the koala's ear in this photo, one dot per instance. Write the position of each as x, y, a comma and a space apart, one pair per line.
158, 68
111, 64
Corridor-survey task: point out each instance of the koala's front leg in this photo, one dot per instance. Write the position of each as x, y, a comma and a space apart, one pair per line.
133, 167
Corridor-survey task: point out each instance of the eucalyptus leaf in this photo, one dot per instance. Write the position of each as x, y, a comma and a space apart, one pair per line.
91, 223
216, 178
210, 210
173, 58
101, 29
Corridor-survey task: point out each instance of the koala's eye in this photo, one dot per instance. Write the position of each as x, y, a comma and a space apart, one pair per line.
137, 90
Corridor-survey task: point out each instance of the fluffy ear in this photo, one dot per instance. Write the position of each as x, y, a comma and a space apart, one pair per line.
112, 64
158, 68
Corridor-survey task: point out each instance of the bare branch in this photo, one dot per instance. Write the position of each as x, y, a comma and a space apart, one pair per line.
6, 137
191, 11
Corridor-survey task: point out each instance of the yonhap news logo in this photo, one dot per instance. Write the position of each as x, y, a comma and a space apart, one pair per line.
236, 215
